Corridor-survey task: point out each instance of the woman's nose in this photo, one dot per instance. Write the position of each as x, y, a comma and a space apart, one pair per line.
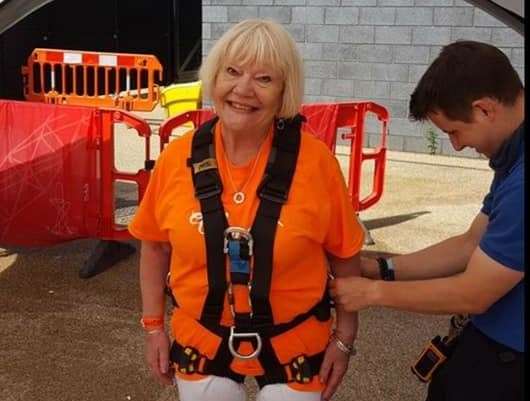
243, 86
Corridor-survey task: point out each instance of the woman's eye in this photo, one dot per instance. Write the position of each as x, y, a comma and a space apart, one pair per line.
231, 71
265, 79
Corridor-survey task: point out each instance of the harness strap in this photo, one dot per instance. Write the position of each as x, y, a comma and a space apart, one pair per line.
300, 369
189, 361
208, 189
273, 192
275, 371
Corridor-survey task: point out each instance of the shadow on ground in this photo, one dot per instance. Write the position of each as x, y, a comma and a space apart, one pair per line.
373, 224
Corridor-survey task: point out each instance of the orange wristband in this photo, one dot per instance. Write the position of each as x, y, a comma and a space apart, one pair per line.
152, 322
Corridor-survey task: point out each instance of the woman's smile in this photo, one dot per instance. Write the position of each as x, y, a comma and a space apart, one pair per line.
241, 107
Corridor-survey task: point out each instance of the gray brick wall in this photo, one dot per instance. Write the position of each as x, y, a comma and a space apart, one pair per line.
371, 50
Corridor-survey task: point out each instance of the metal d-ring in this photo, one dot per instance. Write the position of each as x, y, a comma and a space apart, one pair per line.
243, 335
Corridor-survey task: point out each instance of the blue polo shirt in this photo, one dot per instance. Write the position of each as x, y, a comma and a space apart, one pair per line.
503, 241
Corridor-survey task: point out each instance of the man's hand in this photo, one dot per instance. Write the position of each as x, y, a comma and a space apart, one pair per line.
157, 357
333, 369
352, 293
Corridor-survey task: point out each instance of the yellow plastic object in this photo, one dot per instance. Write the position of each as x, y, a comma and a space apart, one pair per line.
179, 98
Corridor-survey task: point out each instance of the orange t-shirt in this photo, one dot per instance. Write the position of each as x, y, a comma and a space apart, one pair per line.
317, 218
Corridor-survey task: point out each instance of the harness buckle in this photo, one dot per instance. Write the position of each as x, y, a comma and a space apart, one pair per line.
188, 360
238, 244
301, 369
267, 192
207, 191
237, 234
232, 349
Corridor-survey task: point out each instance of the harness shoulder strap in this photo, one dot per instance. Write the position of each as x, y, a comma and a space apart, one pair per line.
273, 193
208, 189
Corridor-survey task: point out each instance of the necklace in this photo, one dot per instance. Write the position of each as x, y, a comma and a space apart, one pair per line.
239, 195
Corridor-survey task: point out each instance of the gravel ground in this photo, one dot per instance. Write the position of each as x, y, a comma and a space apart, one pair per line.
63, 338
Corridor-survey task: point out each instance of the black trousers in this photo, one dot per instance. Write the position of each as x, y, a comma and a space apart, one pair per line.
479, 369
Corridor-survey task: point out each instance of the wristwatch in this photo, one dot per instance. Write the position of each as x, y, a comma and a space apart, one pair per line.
386, 269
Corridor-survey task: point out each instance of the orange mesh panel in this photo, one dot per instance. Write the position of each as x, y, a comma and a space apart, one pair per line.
115, 80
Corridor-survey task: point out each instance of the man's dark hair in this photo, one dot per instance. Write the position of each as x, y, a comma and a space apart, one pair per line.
463, 72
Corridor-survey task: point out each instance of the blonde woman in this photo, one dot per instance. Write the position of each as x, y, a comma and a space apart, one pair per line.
247, 215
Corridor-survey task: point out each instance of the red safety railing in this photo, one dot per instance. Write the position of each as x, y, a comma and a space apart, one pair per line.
117, 80
195, 117
324, 121
353, 116
108, 229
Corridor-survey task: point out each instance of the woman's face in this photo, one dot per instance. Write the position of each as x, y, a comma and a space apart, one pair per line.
247, 97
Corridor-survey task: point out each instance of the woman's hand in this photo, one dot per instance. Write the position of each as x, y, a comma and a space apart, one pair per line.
333, 369
157, 357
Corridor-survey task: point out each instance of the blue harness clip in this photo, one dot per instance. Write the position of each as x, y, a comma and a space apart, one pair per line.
237, 265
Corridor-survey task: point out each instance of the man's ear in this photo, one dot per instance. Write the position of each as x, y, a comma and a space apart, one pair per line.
485, 109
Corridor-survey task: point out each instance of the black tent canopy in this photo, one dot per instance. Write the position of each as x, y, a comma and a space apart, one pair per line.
13, 11
171, 30
511, 12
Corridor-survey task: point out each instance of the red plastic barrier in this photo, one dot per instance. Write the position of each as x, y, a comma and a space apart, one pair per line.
196, 117
323, 121
57, 172
57, 167
108, 229
45, 181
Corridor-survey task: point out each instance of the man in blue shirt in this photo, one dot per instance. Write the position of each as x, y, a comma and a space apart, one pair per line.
472, 93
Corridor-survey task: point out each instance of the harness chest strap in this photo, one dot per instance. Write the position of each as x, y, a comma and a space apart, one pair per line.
273, 192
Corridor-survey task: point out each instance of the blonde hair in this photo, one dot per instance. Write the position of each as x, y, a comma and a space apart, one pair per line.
260, 42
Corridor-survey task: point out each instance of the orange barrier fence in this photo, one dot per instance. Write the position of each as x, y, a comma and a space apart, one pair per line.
324, 121
117, 80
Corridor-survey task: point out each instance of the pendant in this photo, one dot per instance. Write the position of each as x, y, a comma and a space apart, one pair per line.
239, 197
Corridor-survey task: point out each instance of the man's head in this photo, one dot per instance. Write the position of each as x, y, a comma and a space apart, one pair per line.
469, 91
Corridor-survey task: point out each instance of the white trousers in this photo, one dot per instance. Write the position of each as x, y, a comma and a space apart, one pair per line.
215, 388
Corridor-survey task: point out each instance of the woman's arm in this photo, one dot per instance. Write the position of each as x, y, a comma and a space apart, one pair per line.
347, 322
154, 266
335, 362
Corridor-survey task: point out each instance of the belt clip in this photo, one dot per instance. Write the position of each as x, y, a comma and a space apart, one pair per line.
188, 360
238, 234
301, 370
234, 237
233, 351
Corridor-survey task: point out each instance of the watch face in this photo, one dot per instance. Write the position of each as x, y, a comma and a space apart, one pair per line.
386, 273
383, 268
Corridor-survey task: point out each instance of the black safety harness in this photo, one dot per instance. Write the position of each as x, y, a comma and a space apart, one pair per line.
242, 247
